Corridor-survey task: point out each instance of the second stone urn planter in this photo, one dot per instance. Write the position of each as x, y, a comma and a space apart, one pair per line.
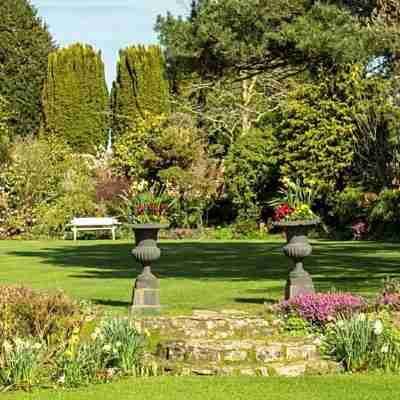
146, 292
298, 248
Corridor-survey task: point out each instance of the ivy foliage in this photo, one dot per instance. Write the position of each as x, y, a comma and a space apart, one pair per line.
25, 43
75, 98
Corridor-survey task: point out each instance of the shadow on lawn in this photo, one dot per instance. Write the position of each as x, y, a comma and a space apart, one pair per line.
342, 265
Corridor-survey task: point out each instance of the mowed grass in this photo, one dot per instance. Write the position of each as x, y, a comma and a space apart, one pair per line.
364, 387
193, 275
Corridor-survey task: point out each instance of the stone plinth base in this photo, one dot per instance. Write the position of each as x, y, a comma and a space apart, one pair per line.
146, 293
298, 284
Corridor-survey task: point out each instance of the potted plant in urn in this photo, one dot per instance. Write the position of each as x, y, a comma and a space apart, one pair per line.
293, 213
146, 212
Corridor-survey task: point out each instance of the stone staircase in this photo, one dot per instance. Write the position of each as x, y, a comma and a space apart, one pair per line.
231, 343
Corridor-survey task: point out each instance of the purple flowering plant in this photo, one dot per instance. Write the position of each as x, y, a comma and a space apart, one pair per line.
321, 308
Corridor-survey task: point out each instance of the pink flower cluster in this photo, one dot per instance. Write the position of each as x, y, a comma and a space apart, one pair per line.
360, 230
392, 300
321, 308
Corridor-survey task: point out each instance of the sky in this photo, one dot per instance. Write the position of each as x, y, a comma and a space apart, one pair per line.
108, 25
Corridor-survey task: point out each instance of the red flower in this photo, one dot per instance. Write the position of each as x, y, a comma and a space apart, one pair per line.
282, 211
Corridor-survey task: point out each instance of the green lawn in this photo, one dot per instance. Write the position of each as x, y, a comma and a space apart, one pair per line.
214, 275
210, 275
373, 387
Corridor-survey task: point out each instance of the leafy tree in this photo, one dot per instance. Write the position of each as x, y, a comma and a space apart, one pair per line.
235, 38
141, 87
75, 98
314, 129
25, 43
251, 171
376, 114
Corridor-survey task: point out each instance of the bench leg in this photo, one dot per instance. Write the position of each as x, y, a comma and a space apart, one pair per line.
75, 234
113, 233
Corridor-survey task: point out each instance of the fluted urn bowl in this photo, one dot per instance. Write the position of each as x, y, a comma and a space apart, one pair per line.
298, 248
146, 235
146, 292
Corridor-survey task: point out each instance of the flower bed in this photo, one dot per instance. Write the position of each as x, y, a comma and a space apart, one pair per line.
321, 308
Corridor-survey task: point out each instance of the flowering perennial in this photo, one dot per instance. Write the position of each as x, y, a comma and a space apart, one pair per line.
322, 308
391, 300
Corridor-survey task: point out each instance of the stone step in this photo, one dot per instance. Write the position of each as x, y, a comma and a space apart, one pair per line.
311, 367
210, 325
236, 351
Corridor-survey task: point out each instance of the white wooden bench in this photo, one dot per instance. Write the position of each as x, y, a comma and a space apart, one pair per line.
93, 224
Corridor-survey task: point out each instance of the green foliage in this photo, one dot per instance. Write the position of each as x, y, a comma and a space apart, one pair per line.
250, 169
141, 87
20, 363
391, 285
126, 341
350, 205
75, 98
297, 326
132, 151
171, 151
115, 348
385, 214
294, 194
364, 343
4, 130
233, 38
314, 129
43, 188
25, 43
48, 317
376, 115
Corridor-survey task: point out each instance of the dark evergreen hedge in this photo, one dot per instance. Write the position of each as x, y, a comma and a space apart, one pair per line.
25, 43
141, 86
75, 98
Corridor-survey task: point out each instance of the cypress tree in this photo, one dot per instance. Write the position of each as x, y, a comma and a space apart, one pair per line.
75, 98
25, 43
141, 86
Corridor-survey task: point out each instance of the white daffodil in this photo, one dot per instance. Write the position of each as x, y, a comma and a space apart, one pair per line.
7, 346
385, 348
340, 324
378, 327
37, 346
118, 344
361, 317
107, 347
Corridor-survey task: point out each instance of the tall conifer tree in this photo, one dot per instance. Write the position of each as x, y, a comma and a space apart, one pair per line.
75, 98
25, 43
141, 86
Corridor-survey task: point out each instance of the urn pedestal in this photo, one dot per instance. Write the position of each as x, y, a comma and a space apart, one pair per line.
146, 291
298, 248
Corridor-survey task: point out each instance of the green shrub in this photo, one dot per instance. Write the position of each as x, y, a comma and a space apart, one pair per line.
43, 188
349, 206
48, 317
364, 342
385, 213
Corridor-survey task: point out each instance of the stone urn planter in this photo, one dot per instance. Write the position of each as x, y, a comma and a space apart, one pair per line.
298, 248
146, 291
